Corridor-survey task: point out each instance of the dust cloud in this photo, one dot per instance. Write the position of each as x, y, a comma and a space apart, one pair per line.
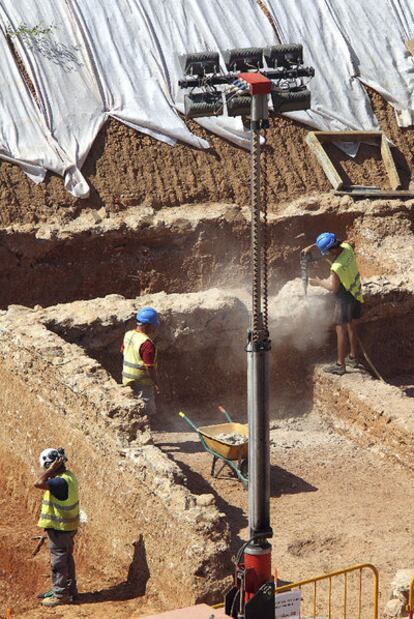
297, 320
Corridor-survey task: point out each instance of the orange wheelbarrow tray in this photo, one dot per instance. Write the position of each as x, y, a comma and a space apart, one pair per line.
234, 456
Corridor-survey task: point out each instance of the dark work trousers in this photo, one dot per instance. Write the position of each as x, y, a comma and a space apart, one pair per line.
146, 394
62, 563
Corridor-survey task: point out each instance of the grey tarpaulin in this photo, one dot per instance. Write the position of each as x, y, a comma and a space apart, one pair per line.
376, 31
58, 67
24, 138
339, 101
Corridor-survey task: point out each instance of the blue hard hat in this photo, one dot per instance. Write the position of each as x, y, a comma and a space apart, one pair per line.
325, 242
148, 316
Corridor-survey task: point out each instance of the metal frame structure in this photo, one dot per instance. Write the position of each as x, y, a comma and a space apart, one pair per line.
333, 575
410, 606
254, 75
316, 140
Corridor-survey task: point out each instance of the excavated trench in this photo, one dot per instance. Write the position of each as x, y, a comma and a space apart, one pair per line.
184, 249
199, 256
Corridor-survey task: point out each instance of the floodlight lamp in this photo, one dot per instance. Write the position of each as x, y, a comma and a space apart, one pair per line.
200, 63
197, 105
283, 56
239, 105
243, 58
288, 100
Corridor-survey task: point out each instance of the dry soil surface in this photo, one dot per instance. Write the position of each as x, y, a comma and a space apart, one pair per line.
125, 168
333, 504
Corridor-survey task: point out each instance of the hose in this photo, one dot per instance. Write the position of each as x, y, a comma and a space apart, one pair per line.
368, 360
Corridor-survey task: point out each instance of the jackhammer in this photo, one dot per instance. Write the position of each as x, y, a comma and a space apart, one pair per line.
305, 261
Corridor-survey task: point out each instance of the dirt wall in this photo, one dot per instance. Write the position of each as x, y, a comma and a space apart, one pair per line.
371, 413
198, 335
187, 249
126, 168
140, 515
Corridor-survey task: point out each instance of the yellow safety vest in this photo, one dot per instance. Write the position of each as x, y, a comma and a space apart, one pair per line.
61, 515
134, 368
346, 269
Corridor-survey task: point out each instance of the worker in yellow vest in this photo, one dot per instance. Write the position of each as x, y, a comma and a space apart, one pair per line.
345, 283
59, 517
139, 370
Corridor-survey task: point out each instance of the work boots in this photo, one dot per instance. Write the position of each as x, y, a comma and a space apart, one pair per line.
352, 362
337, 369
51, 602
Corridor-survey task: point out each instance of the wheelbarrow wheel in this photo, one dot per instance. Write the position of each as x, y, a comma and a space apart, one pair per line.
244, 467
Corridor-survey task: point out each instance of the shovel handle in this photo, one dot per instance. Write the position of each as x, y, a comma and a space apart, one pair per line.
190, 423
223, 410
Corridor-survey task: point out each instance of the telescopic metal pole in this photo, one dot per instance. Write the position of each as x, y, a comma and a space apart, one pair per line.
258, 553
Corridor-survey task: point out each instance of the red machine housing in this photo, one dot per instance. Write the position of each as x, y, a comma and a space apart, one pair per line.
258, 83
258, 571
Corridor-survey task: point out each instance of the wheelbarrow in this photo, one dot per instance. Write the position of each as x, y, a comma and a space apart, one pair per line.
233, 456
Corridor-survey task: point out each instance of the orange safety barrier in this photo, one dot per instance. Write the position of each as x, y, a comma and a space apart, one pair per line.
329, 581
411, 599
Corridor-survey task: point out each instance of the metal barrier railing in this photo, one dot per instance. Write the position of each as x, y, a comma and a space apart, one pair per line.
411, 599
330, 593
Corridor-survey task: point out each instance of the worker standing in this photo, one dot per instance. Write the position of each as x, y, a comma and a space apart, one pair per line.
345, 283
59, 517
139, 369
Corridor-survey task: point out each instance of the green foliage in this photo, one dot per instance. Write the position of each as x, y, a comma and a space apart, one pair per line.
24, 30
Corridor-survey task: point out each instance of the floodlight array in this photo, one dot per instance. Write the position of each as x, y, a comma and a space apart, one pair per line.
283, 56
200, 63
244, 59
211, 91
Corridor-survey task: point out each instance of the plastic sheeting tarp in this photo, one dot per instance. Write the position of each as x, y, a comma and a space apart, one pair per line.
103, 58
117, 38
59, 70
24, 138
120, 59
339, 101
376, 31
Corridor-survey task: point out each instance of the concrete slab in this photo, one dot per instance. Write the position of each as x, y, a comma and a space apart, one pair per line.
200, 611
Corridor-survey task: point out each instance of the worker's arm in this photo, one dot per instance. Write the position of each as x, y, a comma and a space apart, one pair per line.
41, 482
331, 284
147, 353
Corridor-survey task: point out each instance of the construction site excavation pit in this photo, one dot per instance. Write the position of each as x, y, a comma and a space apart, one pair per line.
341, 447
181, 249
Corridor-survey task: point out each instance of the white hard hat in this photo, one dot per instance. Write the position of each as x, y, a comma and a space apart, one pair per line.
47, 457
